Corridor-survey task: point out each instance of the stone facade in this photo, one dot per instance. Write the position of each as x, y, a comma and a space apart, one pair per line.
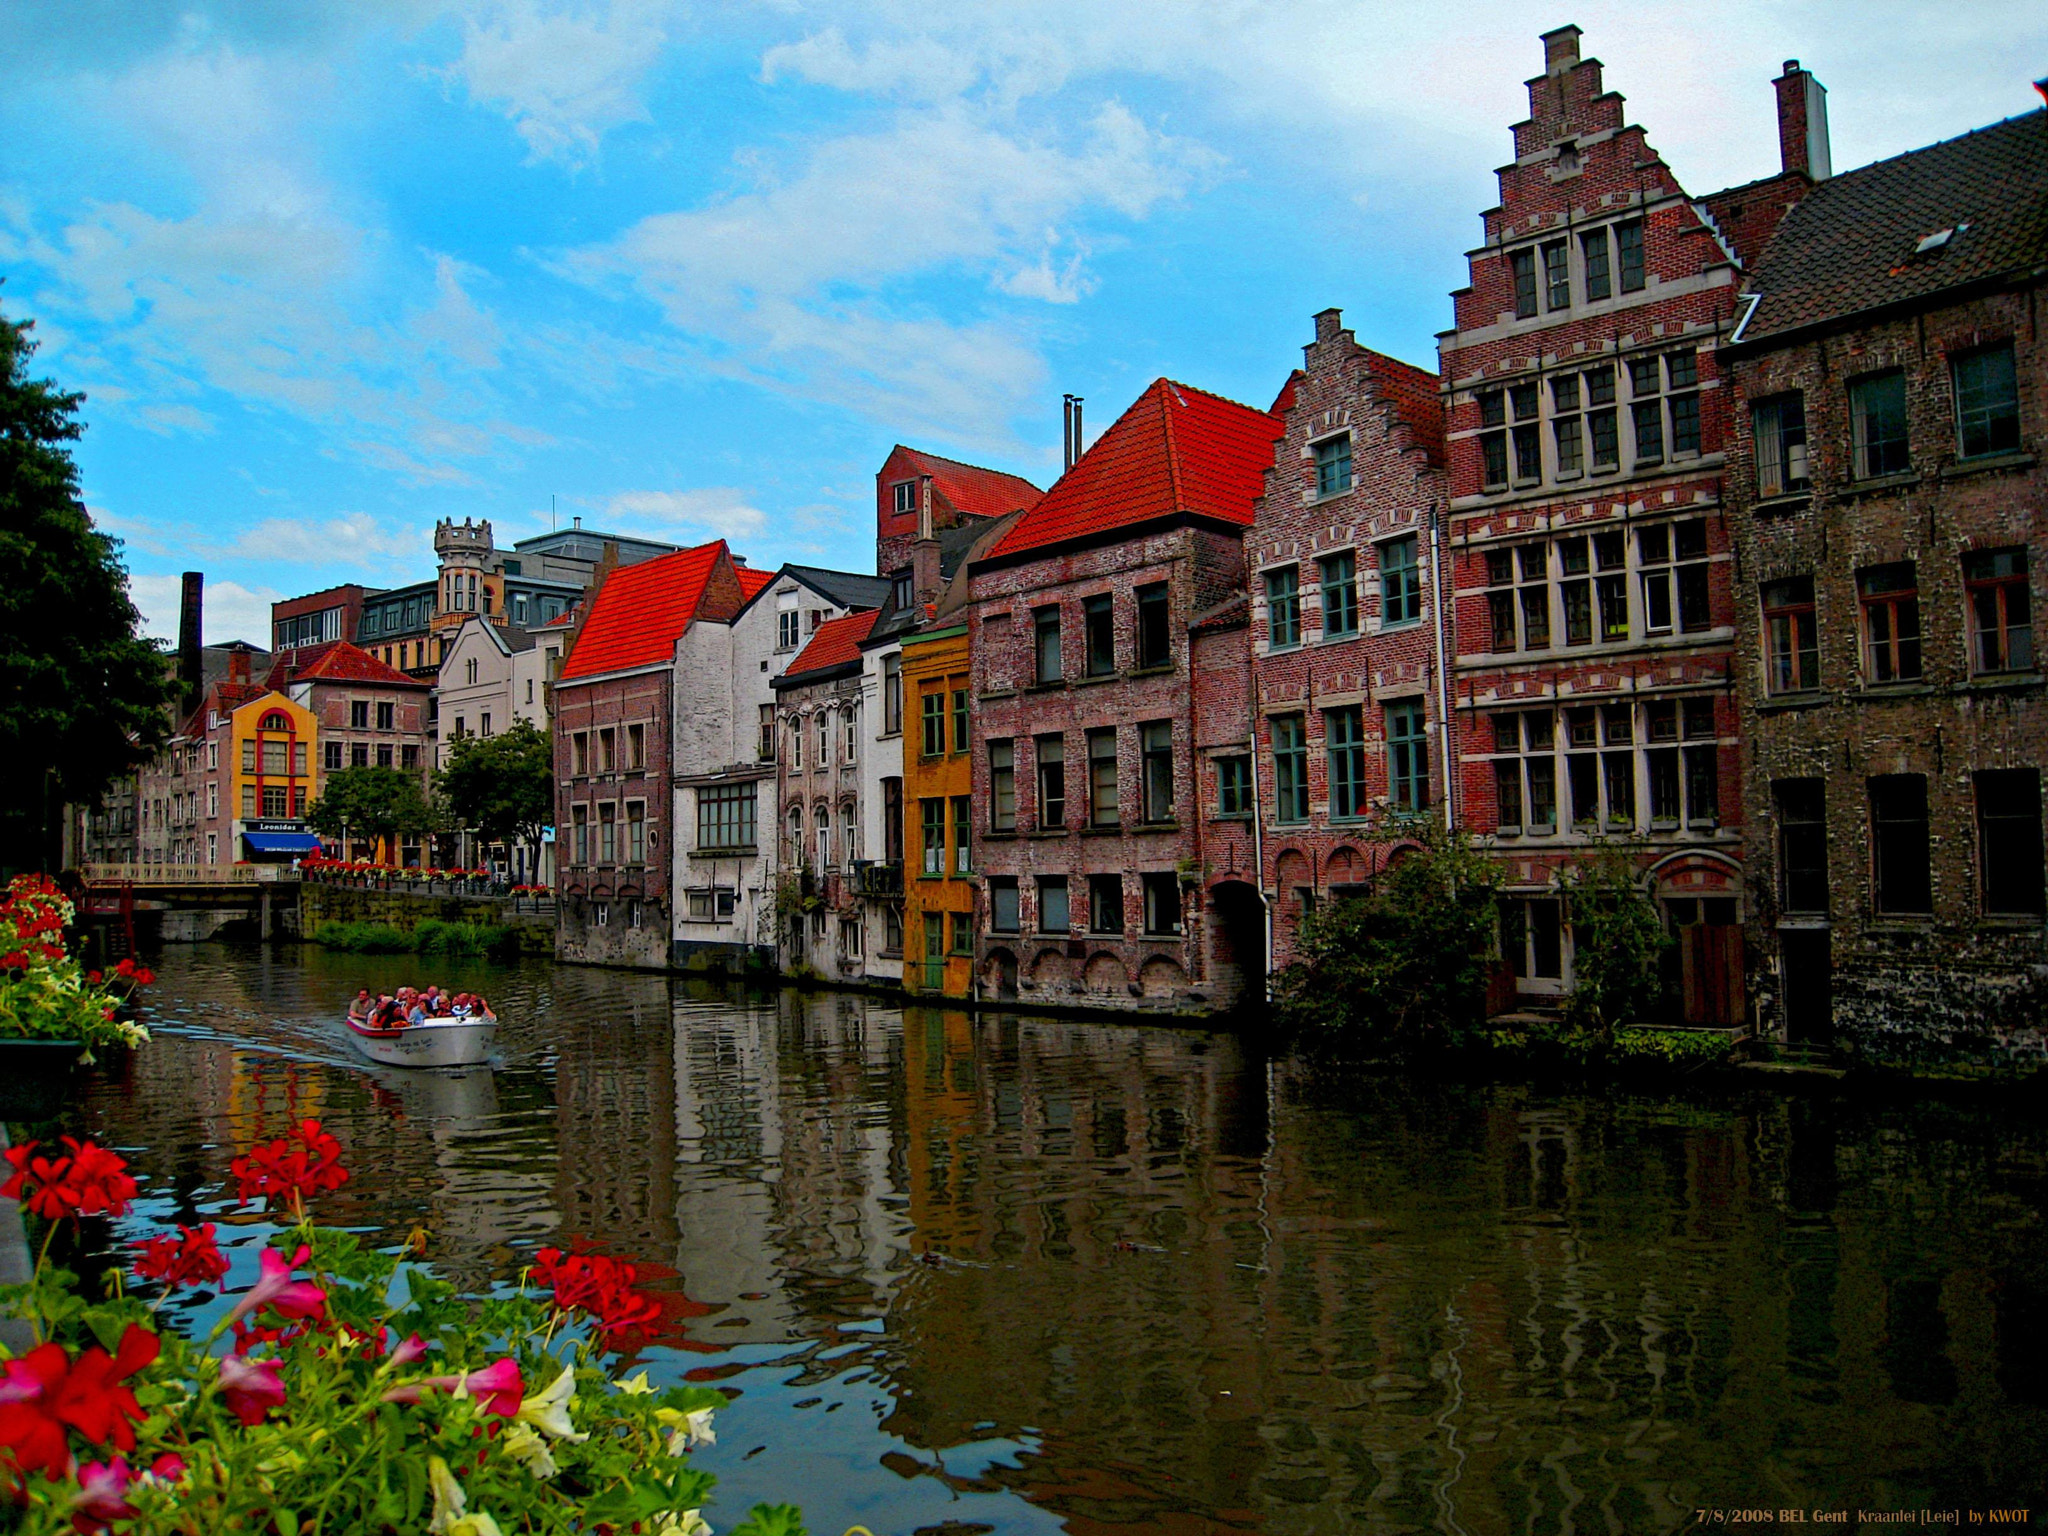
1344, 623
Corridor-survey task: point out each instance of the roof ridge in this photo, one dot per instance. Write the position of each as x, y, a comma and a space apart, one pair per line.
1907, 154
1180, 499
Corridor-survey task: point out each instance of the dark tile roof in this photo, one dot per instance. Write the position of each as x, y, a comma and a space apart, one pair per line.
846, 588
1848, 246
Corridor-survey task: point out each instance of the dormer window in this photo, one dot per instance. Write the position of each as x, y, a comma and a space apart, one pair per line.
902, 593
906, 497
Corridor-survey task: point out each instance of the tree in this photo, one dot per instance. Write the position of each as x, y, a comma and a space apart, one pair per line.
371, 802
87, 697
1618, 940
502, 786
1405, 966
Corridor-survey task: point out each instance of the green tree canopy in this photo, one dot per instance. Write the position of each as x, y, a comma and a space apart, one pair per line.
1618, 943
502, 786
371, 802
86, 697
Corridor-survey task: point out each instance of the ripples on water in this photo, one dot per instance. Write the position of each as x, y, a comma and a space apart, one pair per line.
1022, 1274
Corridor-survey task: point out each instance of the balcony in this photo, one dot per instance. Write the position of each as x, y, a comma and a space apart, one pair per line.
878, 877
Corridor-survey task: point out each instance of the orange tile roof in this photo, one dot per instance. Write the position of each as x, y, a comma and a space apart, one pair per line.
1177, 449
969, 487
641, 611
336, 661
837, 641
752, 581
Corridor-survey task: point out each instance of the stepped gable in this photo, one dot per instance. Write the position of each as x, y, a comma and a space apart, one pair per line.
641, 610
1850, 245
1177, 450
336, 661
1412, 396
836, 643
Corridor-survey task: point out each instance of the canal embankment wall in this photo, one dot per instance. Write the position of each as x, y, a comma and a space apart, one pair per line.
405, 910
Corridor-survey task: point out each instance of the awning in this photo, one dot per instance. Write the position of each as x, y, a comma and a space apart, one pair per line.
281, 842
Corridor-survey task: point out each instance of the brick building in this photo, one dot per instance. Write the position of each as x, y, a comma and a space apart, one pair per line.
1891, 519
1090, 839
1344, 625
613, 728
922, 495
1594, 617
370, 715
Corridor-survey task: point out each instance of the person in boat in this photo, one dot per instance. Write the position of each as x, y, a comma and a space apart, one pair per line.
416, 1011
359, 1008
458, 1005
379, 1012
478, 1007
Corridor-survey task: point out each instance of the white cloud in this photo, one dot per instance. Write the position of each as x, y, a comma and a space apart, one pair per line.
565, 76
712, 512
354, 540
230, 610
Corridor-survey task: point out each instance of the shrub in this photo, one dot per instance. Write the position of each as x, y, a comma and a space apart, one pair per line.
364, 938
1618, 940
430, 936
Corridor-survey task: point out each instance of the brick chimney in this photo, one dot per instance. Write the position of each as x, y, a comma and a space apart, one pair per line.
238, 665
190, 600
924, 553
1803, 123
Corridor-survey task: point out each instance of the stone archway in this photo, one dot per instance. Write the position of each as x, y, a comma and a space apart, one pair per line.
999, 973
1238, 944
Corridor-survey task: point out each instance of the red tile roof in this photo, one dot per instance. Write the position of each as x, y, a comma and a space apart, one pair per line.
969, 487
641, 611
836, 641
336, 661
1412, 396
752, 581
1177, 449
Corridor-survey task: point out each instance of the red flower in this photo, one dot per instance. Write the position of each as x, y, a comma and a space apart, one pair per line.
276, 1289
89, 1181
251, 1388
291, 1168
191, 1259
597, 1285
47, 1392
496, 1387
102, 1490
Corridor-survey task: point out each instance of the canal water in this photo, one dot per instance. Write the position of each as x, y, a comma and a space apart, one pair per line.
986, 1272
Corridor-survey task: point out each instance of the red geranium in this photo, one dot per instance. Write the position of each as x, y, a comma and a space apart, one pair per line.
192, 1258
47, 1393
602, 1287
291, 1168
88, 1181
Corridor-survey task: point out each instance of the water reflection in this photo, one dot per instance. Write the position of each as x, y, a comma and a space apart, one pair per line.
1029, 1274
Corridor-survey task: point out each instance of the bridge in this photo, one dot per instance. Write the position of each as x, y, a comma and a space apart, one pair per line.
184, 901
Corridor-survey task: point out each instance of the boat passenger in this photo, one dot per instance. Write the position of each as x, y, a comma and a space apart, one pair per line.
359, 1008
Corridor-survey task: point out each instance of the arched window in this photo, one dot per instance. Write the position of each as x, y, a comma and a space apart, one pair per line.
849, 837
824, 738
796, 743
824, 817
851, 753
796, 835
275, 722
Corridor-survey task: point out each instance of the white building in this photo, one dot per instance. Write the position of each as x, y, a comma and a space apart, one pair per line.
494, 674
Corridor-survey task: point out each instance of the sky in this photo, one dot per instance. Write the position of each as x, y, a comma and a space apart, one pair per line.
330, 272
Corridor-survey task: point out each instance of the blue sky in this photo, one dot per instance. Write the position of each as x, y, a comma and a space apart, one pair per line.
330, 272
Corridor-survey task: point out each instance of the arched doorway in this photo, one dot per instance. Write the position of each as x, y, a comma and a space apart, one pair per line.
1238, 944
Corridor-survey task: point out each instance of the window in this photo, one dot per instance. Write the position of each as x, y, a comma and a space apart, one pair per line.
1155, 638
1045, 627
1898, 841
1233, 786
1877, 426
359, 754
1791, 637
892, 695
796, 835
892, 819
963, 834
931, 701
1333, 464
1290, 768
1493, 445
1103, 807
636, 832
1002, 904
1002, 786
765, 750
1162, 903
1565, 431
1344, 738
1575, 594
1407, 756
1051, 752
787, 633
1802, 844
1098, 634
849, 727
2009, 841
1531, 605
710, 904
1155, 743
484, 729
1628, 244
384, 754
960, 720
359, 714
821, 818
1891, 622
932, 826
1522, 399
1681, 374
1522, 266
1601, 433
276, 800
2001, 610
963, 932
1105, 903
1987, 402
579, 820
1400, 583
1672, 562
607, 750
461, 728
212, 803
725, 816
796, 742
607, 833
579, 753
636, 743
1646, 414
600, 914
330, 755
408, 757
1052, 904
824, 718
1525, 779
386, 714
1780, 426
1599, 280
1283, 608
1557, 275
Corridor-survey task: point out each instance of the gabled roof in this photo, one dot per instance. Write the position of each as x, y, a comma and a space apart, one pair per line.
752, 582
835, 643
1176, 450
848, 589
508, 637
967, 488
641, 610
336, 661
1849, 245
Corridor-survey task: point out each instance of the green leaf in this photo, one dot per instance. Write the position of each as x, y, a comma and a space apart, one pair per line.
771, 1520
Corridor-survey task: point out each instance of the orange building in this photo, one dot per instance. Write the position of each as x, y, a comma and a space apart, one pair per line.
938, 799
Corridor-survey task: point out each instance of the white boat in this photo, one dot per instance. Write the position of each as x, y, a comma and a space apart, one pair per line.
436, 1043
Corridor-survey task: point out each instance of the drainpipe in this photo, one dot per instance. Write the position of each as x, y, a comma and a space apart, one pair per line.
1258, 837
1443, 670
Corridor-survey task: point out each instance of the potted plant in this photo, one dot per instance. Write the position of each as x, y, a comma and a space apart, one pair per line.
53, 1014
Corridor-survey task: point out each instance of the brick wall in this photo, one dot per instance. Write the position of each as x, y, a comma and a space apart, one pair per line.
614, 912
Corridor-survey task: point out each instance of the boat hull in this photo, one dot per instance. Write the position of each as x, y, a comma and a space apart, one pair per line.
438, 1043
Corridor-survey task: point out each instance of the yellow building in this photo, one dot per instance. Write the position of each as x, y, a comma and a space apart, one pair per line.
938, 801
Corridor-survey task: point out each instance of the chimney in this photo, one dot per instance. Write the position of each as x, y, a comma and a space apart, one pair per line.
189, 633
1560, 50
238, 665
575, 522
1803, 123
924, 554
1070, 410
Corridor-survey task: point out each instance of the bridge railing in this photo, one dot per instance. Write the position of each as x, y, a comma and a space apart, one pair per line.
186, 874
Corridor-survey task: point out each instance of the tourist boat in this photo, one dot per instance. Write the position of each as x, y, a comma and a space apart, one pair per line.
436, 1043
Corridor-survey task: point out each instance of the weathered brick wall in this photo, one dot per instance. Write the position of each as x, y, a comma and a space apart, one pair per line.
1955, 983
831, 785
619, 891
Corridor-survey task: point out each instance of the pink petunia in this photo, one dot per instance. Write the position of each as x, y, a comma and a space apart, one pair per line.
277, 1289
251, 1388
